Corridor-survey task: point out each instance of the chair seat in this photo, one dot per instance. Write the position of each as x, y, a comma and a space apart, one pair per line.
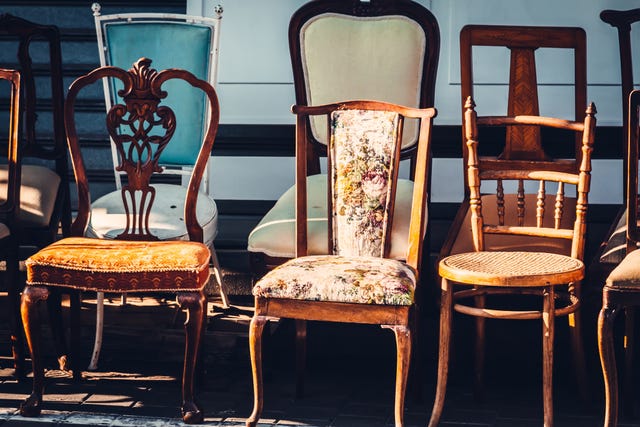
362, 280
511, 268
120, 266
38, 191
167, 215
275, 233
626, 275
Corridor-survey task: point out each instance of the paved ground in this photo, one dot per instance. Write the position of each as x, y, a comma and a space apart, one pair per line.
349, 380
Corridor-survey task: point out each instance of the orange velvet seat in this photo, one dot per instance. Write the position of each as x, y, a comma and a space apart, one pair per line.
121, 266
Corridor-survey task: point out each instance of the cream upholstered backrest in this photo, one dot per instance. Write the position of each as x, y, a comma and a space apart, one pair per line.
377, 58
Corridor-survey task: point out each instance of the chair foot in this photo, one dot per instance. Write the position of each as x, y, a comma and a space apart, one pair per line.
31, 407
191, 413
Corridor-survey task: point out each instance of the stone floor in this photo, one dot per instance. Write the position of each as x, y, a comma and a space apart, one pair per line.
349, 378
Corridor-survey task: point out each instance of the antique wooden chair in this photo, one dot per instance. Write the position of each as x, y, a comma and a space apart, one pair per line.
392, 56
540, 224
34, 50
9, 202
136, 260
173, 41
360, 281
621, 291
526, 146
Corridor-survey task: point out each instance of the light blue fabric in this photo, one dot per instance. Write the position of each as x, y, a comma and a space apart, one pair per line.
168, 45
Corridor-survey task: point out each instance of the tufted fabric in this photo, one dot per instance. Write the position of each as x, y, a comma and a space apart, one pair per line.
120, 266
274, 234
362, 159
4, 231
38, 190
362, 280
626, 275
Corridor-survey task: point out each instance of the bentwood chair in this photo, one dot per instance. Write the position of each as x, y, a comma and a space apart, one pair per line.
8, 208
34, 50
359, 281
136, 260
392, 56
541, 223
621, 291
528, 147
173, 41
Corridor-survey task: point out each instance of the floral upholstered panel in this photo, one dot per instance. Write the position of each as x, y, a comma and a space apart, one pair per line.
363, 280
120, 266
363, 150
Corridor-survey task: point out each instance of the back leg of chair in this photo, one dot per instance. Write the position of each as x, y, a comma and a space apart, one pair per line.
606, 320
54, 306
97, 344
194, 303
548, 332
15, 323
31, 297
627, 379
301, 356
217, 272
478, 383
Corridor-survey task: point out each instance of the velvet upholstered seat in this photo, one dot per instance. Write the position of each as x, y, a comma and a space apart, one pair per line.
135, 260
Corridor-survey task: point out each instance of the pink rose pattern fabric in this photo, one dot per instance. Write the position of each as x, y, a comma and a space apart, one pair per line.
363, 150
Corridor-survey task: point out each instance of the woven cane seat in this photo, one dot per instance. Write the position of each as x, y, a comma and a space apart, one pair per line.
121, 266
511, 268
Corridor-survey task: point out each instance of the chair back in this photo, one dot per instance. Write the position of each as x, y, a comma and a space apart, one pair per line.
173, 41
633, 228
385, 50
10, 201
530, 202
141, 128
523, 143
364, 153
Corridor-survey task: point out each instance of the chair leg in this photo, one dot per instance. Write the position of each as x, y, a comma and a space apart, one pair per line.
301, 356
627, 379
606, 347
548, 332
54, 306
217, 272
97, 344
577, 347
403, 360
446, 308
194, 303
15, 323
256, 329
478, 383
31, 296
75, 331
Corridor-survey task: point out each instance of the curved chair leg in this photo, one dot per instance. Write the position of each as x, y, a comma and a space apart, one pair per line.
54, 306
446, 308
606, 320
97, 344
577, 347
301, 355
15, 323
403, 360
256, 329
217, 272
31, 296
194, 303
548, 332
478, 383
627, 380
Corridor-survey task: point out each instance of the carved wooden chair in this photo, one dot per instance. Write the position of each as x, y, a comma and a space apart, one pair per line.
173, 41
9, 202
621, 291
402, 39
34, 49
360, 281
540, 224
136, 260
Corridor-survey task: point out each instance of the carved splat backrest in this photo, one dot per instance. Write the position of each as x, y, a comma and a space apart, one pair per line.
523, 143
529, 202
364, 154
141, 128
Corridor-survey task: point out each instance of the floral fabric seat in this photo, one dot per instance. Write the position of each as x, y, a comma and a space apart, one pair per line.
362, 280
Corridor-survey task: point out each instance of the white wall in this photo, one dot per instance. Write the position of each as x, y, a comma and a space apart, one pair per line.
256, 84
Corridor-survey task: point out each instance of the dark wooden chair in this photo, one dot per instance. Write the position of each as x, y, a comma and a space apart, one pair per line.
9, 203
359, 282
392, 56
528, 147
136, 261
621, 291
34, 50
541, 224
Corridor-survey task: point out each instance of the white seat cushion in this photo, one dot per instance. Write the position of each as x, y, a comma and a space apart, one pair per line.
274, 234
167, 215
38, 190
